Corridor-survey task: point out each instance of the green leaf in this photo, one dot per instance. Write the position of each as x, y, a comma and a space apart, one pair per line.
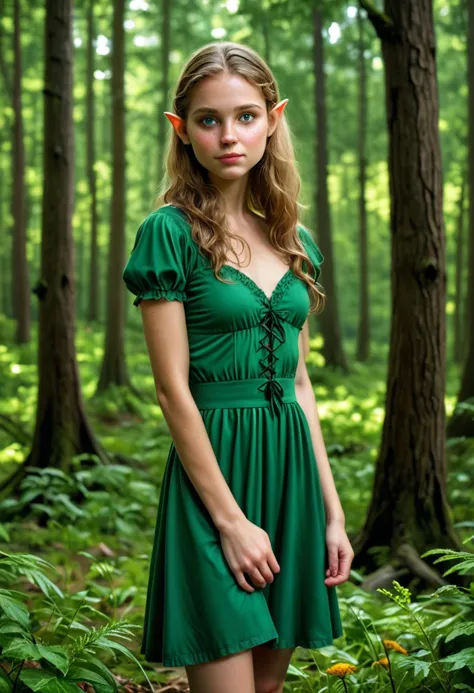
40, 680
56, 655
110, 644
297, 672
418, 667
10, 626
20, 648
6, 684
44, 583
95, 664
460, 629
69, 505
77, 673
14, 609
459, 660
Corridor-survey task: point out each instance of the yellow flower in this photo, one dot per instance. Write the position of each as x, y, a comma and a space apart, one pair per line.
393, 645
382, 662
341, 669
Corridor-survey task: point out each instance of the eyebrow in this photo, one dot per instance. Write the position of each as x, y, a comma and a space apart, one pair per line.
206, 109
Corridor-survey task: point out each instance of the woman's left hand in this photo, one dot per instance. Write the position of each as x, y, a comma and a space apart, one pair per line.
340, 554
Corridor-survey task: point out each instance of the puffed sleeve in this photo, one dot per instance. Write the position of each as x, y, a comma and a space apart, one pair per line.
314, 254
159, 264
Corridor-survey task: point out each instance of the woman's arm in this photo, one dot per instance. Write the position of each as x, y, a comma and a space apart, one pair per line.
307, 401
166, 337
340, 552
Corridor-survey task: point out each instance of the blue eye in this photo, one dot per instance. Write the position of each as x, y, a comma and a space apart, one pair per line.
212, 118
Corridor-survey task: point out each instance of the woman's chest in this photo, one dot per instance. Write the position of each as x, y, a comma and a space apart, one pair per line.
238, 303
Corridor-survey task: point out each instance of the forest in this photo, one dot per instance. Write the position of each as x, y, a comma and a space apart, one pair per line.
381, 111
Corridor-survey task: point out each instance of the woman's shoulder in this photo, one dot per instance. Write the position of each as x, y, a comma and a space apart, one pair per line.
166, 222
170, 214
311, 247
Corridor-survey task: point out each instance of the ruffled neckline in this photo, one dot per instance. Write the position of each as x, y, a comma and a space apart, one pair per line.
279, 289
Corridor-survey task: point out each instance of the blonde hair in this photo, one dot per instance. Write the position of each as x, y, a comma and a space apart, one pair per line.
274, 182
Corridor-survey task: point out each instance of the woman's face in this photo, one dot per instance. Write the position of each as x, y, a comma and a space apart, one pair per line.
227, 115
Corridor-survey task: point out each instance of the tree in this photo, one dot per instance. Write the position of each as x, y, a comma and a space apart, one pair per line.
462, 421
363, 334
61, 427
20, 281
93, 311
114, 370
332, 350
409, 510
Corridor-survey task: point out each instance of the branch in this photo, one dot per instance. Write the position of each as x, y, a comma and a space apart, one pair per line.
383, 25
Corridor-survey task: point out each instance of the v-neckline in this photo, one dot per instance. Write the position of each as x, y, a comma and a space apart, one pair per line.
246, 279
252, 283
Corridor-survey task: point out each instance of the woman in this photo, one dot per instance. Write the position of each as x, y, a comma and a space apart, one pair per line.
250, 540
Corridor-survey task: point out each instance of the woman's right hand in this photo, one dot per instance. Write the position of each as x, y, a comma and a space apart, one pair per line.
247, 549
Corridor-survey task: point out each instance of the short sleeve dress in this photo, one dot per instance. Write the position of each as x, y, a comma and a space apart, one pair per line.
243, 358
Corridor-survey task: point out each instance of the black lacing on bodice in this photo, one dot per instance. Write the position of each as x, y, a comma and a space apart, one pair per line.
274, 332
273, 338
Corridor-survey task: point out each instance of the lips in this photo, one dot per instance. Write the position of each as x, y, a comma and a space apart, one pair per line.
230, 156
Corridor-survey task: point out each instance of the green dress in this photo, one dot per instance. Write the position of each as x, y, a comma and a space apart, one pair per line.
243, 358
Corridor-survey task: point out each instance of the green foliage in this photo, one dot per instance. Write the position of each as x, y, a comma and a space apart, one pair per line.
65, 657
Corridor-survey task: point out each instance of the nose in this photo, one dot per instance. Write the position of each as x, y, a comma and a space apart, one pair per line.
228, 134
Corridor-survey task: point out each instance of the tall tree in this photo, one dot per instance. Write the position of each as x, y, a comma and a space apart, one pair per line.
363, 334
409, 508
459, 332
20, 285
164, 87
93, 310
462, 421
114, 370
61, 427
333, 350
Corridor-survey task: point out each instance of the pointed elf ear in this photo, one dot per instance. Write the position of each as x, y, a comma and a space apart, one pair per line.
178, 124
276, 113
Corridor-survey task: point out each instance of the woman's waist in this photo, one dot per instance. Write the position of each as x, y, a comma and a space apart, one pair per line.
247, 392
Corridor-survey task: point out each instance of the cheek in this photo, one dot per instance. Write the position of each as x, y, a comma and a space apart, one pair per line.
204, 140
254, 135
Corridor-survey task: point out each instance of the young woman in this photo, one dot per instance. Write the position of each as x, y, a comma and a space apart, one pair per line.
250, 541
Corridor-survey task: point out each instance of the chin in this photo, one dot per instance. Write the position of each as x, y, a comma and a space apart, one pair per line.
229, 174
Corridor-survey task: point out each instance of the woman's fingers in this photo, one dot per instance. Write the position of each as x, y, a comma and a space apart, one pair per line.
249, 554
239, 576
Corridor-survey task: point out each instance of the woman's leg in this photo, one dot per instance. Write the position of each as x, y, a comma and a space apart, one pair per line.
270, 667
230, 674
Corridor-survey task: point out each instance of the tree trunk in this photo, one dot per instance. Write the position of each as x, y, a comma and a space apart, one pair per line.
61, 427
163, 90
462, 421
20, 280
114, 371
459, 342
93, 309
363, 335
332, 350
5, 284
409, 503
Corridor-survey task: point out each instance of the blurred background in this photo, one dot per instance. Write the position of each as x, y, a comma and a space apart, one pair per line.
381, 108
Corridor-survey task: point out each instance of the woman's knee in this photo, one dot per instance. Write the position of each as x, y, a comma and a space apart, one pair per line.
269, 686
232, 674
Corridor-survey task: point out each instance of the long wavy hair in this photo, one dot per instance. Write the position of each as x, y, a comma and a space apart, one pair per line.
274, 183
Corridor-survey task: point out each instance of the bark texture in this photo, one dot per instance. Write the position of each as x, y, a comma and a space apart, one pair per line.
409, 503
